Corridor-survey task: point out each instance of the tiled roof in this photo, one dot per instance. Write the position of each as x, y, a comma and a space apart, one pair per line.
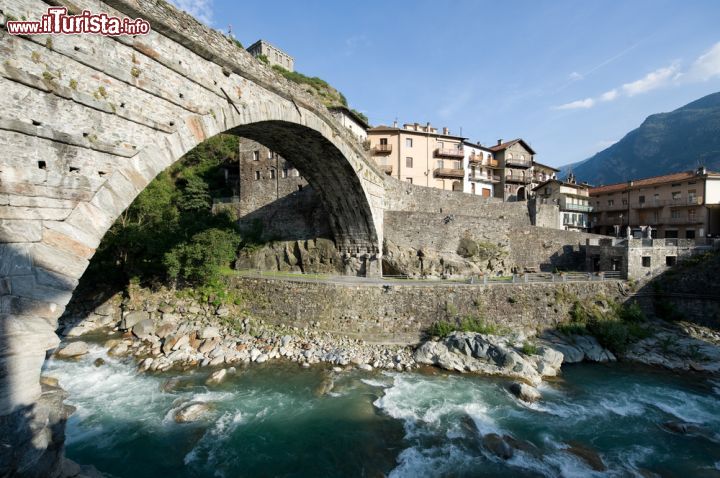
507, 144
651, 181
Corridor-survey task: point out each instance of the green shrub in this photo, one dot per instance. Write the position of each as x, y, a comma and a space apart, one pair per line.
529, 348
631, 313
477, 325
441, 329
200, 260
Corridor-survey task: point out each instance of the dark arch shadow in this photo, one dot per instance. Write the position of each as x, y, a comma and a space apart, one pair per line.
329, 173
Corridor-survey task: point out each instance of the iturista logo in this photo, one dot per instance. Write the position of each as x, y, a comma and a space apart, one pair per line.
57, 22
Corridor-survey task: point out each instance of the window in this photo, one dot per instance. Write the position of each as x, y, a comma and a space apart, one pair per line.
272, 174
256, 155
439, 163
408, 142
624, 202
675, 185
270, 154
383, 141
299, 187
641, 199
691, 196
690, 234
676, 196
284, 173
670, 260
257, 175
646, 261
611, 202
692, 212
675, 214
408, 162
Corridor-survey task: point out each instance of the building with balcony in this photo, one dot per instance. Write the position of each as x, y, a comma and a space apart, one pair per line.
572, 199
680, 205
482, 171
420, 154
274, 55
515, 161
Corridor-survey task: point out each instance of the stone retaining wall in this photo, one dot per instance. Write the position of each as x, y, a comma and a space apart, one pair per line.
399, 312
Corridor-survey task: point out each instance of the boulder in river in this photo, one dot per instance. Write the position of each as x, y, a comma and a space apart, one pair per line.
216, 377
72, 350
191, 412
143, 329
524, 392
588, 455
497, 445
132, 318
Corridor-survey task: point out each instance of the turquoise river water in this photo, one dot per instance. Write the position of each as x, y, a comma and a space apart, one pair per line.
273, 420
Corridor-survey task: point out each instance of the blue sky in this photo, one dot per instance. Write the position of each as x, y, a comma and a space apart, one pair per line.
571, 77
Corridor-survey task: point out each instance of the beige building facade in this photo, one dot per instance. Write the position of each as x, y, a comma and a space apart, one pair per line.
419, 154
682, 205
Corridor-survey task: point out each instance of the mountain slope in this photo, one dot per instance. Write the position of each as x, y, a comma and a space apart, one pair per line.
664, 143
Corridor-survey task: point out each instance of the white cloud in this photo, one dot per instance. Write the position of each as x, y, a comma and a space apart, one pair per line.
609, 95
576, 105
575, 76
200, 9
651, 81
706, 67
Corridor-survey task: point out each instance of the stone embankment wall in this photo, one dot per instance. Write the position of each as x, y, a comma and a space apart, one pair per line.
505, 238
400, 312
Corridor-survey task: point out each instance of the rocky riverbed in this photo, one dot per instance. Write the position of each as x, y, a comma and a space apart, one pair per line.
187, 336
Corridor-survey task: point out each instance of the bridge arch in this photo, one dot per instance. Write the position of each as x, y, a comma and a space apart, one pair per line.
87, 122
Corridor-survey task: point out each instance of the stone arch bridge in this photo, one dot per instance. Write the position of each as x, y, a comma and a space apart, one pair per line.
87, 121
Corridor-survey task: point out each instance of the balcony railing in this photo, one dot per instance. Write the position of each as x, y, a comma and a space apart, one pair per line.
611, 207
449, 152
485, 177
382, 148
478, 159
517, 178
449, 173
575, 207
518, 162
681, 220
655, 203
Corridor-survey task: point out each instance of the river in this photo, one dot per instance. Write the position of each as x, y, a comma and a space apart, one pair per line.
277, 419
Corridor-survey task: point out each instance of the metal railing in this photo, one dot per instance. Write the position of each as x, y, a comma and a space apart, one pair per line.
518, 162
382, 148
575, 207
450, 152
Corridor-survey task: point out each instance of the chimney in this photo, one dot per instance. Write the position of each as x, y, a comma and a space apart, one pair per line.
416, 126
702, 171
427, 126
499, 141
446, 131
395, 124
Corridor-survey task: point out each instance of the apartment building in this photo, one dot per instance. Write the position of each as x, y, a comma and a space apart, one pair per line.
515, 160
482, 171
682, 205
572, 199
351, 121
419, 154
274, 55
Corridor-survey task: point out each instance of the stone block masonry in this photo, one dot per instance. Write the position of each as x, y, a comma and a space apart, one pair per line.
397, 312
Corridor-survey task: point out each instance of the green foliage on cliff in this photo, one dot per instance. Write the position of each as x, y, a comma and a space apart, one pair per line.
168, 235
328, 95
616, 326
